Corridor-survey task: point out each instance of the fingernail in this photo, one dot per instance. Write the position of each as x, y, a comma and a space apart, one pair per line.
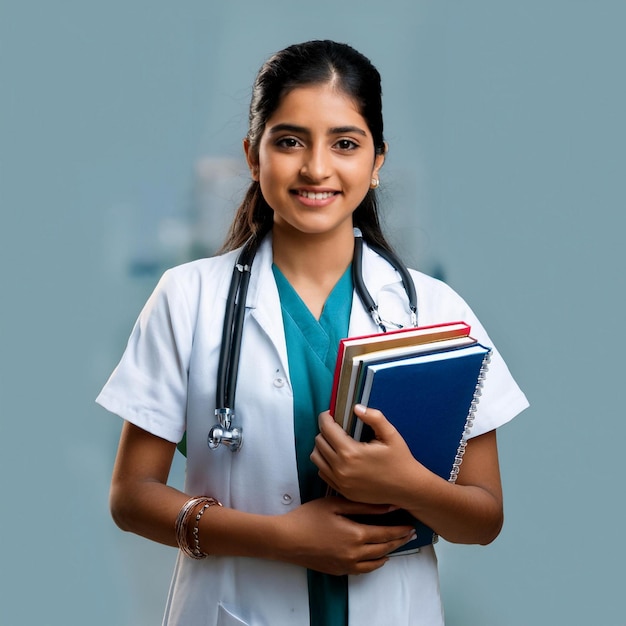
360, 409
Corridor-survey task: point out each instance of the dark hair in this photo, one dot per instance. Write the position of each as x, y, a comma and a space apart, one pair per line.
310, 63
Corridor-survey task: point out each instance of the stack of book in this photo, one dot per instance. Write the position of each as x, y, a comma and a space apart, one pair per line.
427, 382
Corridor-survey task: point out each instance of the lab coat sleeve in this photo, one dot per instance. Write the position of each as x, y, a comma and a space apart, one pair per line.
149, 386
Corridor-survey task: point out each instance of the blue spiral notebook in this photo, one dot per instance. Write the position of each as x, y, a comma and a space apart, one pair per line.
431, 399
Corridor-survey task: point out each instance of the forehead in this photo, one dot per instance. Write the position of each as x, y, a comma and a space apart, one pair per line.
317, 105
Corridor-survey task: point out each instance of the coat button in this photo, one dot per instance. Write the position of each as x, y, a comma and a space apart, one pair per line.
279, 382
287, 499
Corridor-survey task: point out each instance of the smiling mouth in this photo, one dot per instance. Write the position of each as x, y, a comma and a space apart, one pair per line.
316, 195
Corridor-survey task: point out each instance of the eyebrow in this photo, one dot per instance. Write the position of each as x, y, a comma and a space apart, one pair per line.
337, 130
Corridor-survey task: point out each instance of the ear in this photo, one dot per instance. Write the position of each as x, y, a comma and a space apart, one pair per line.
379, 160
251, 159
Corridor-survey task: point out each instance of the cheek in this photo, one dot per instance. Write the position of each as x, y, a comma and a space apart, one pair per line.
269, 177
272, 168
361, 174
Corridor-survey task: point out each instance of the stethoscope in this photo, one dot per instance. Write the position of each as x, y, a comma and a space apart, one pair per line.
224, 432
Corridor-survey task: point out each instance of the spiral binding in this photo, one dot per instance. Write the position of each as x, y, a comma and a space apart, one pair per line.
458, 459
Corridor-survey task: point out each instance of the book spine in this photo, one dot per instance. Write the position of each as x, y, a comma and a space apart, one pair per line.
458, 459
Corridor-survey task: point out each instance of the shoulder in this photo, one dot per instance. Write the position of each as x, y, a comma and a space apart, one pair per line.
182, 290
435, 288
206, 269
436, 301
192, 278
216, 270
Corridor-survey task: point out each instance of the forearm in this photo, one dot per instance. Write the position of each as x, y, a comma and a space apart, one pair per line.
458, 513
229, 532
468, 511
150, 509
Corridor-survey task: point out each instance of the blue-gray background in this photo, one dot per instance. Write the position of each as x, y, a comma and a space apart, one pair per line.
507, 165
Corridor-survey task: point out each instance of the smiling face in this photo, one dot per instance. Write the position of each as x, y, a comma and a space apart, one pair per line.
315, 161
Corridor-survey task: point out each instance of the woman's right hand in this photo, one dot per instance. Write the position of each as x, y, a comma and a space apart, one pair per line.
318, 535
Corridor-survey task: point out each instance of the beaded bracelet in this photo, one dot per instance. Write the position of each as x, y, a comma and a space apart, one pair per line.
182, 525
199, 554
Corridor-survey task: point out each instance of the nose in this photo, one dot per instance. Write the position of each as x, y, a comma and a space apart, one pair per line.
316, 164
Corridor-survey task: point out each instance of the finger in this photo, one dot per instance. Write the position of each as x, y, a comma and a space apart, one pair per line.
324, 419
331, 431
387, 535
376, 555
324, 457
318, 458
327, 478
343, 506
383, 429
324, 448
365, 567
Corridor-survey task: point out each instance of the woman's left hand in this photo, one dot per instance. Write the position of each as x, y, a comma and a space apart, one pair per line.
384, 471
363, 472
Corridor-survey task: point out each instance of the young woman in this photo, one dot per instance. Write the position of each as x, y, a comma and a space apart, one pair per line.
260, 544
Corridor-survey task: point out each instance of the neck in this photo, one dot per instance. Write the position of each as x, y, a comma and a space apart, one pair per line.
313, 263
312, 255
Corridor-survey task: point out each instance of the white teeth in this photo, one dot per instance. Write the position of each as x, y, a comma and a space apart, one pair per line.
322, 195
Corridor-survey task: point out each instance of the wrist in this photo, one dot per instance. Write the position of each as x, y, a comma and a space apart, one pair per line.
228, 532
280, 543
412, 486
188, 524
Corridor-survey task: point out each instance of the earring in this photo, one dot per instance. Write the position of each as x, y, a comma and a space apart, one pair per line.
375, 183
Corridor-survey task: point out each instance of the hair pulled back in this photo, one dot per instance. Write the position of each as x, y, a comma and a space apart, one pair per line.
300, 65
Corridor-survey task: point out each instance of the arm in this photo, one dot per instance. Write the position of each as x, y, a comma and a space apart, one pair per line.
385, 471
315, 535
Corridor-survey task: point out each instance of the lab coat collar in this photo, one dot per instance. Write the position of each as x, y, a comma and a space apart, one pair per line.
263, 299
377, 273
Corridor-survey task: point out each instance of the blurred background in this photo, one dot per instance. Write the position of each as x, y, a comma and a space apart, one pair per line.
120, 154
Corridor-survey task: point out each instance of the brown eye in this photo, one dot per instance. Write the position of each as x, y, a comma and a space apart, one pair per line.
346, 144
288, 142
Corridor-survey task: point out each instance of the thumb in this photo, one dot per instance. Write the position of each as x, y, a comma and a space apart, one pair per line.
383, 429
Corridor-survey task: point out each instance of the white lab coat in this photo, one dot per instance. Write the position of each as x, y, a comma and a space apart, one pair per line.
165, 383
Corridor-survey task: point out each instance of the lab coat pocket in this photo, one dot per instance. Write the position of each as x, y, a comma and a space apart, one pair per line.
226, 617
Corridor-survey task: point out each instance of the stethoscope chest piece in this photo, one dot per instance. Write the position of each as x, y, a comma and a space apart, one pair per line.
224, 433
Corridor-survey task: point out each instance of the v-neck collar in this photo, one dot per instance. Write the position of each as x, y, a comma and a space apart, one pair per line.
319, 334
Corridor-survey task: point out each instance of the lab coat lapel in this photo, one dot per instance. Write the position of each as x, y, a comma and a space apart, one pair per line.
264, 302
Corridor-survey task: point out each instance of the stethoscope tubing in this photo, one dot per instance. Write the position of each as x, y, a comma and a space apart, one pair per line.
364, 294
232, 331
230, 349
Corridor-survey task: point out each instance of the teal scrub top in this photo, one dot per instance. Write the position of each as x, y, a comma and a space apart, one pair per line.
312, 351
